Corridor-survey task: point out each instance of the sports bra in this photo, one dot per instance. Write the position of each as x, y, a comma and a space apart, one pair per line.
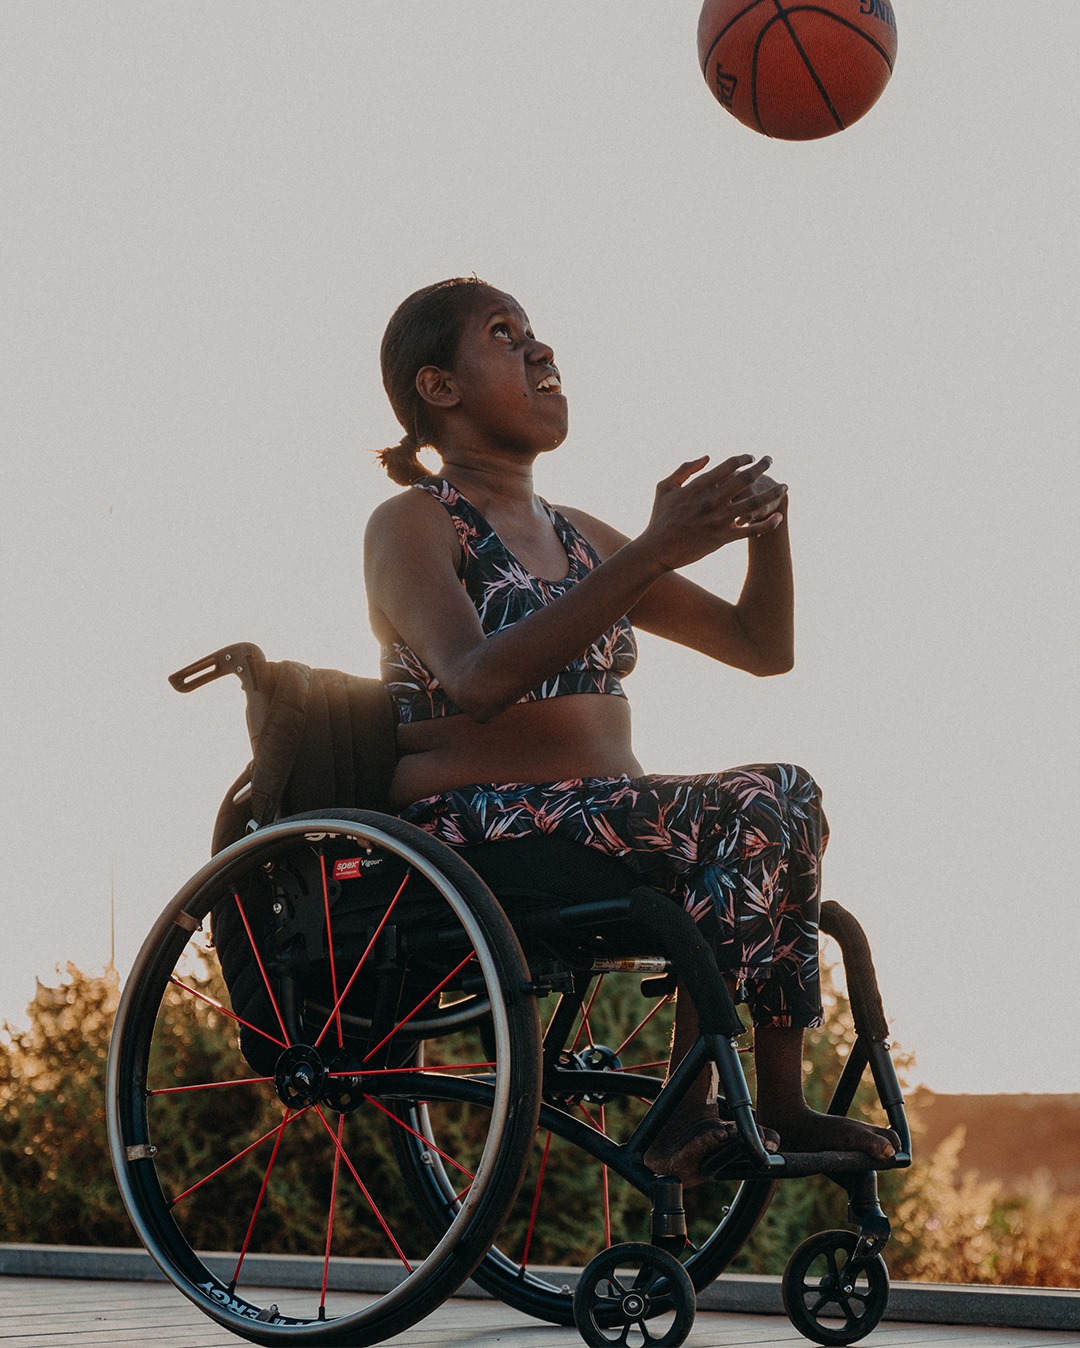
504, 593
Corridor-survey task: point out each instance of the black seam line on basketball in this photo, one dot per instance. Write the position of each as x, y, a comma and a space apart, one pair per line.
818, 9
730, 23
782, 14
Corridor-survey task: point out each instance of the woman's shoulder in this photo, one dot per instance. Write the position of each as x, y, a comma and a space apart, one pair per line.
413, 514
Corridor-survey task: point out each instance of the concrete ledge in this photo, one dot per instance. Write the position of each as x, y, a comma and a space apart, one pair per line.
918, 1302
922, 1303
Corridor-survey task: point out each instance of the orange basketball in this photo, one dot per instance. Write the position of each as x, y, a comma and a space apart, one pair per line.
797, 69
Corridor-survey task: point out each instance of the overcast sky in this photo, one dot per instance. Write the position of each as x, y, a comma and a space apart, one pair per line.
211, 209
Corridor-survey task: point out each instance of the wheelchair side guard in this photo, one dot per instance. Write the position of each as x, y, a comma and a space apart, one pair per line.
871, 1045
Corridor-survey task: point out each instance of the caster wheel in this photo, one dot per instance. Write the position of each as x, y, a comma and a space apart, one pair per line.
827, 1301
628, 1286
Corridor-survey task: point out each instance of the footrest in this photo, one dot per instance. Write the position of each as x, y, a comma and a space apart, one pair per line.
797, 1164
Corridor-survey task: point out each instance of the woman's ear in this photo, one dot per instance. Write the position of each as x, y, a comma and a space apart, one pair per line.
436, 387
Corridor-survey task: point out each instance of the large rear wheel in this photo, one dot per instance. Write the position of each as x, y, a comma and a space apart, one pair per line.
371, 976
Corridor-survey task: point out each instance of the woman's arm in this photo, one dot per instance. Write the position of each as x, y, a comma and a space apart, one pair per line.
756, 634
414, 594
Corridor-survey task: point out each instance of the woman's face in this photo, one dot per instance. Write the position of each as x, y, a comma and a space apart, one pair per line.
506, 381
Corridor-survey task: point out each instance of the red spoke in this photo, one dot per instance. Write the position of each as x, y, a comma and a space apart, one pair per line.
330, 1217
238, 1157
535, 1202
601, 1127
259, 1200
363, 1189
425, 1140
210, 1085
330, 948
262, 969
584, 1026
211, 1001
634, 1033
363, 960
420, 1005
598, 1126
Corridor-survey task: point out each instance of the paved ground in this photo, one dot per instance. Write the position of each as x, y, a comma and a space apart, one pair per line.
59, 1313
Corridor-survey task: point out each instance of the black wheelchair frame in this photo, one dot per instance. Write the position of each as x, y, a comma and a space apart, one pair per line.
387, 992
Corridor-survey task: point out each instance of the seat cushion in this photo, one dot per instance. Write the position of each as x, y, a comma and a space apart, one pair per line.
541, 868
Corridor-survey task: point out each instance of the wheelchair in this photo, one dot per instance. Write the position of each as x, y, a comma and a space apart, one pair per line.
343, 1037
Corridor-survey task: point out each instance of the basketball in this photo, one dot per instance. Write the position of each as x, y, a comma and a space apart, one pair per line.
797, 69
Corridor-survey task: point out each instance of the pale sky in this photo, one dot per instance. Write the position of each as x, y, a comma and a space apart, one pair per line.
211, 210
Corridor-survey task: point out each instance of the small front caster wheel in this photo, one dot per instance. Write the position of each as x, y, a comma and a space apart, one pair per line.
827, 1298
634, 1294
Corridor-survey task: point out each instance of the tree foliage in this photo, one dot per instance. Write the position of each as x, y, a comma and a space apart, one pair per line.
55, 1180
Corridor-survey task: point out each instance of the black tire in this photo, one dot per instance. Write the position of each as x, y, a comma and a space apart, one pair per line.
826, 1300
187, 1117
571, 1139
636, 1288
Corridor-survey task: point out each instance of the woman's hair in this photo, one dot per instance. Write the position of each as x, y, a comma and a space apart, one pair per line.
425, 330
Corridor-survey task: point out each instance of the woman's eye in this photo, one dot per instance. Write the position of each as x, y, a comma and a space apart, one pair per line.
501, 330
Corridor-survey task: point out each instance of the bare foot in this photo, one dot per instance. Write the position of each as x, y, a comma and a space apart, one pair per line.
687, 1141
807, 1130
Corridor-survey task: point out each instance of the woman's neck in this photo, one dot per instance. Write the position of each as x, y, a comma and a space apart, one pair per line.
483, 481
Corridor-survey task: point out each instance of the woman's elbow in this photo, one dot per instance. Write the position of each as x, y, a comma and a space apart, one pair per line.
479, 710
481, 700
767, 664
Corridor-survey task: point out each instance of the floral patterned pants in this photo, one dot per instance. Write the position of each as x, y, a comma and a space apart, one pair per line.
740, 850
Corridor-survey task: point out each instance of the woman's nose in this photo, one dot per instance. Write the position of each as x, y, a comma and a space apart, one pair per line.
541, 354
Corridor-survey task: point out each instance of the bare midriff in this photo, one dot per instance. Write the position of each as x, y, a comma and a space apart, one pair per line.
559, 738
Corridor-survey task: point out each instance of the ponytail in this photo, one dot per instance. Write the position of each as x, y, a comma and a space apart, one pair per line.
423, 330
402, 461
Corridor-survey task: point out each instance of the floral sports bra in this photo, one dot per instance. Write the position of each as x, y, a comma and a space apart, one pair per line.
504, 593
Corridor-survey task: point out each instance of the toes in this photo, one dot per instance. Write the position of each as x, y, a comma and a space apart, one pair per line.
683, 1155
885, 1144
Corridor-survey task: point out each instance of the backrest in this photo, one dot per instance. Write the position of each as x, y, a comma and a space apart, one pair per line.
319, 738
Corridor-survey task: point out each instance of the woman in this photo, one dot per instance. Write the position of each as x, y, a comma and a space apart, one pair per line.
506, 627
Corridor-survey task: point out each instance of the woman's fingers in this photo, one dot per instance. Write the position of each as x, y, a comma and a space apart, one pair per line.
682, 474
753, 528
728, 472
697, 512
752, 505
730, 479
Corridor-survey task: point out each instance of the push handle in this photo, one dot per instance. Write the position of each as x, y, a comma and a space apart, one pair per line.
240, 659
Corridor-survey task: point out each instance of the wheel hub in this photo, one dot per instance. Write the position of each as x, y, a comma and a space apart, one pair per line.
300, 1076
634, 1305
303, 1077
592, 1058
343, 1093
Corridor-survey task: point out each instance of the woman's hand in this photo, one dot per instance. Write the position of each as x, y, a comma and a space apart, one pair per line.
694, 516
764, 503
